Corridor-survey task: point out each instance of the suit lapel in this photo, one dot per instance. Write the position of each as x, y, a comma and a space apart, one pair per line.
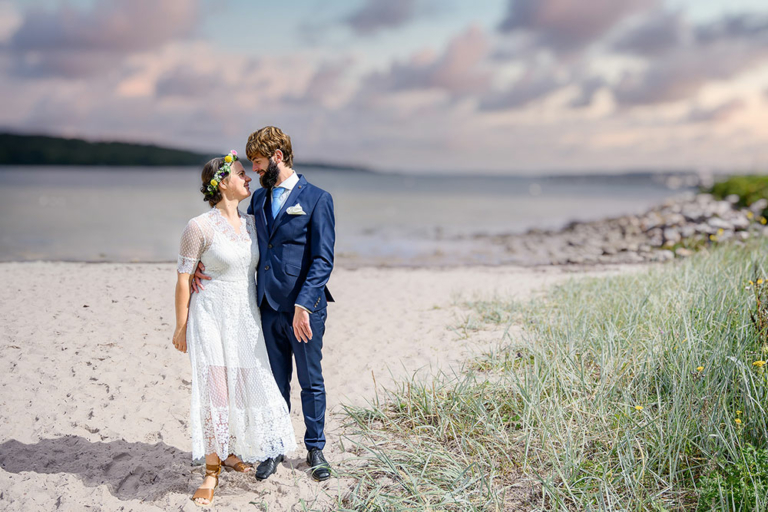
291, 201
262, 227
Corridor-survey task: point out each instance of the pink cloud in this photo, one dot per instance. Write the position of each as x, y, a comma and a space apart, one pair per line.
458, 70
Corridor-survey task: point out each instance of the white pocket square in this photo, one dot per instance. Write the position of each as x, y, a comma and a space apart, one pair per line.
295, 210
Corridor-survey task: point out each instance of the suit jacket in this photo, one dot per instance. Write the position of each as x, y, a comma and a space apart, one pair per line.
296, 250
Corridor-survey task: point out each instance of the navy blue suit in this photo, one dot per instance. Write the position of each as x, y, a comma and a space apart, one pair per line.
295, 265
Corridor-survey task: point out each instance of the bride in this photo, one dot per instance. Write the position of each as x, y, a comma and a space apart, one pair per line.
237, 413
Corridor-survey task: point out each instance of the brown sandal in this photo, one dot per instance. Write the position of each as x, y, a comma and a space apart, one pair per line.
240, 467
213, 470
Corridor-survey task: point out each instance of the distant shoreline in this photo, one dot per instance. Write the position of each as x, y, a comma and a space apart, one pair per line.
46, 150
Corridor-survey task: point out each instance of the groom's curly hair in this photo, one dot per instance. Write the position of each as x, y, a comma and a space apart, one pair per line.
264, 143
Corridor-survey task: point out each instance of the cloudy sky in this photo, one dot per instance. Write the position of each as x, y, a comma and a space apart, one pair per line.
491, 86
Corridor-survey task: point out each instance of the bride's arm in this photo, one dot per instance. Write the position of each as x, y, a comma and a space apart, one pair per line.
193, 243
182, 312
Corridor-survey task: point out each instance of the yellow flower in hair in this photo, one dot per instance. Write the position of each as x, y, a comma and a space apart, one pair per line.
228, 159
214, 183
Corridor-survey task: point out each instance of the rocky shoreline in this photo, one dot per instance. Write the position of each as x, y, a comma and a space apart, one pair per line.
677, 228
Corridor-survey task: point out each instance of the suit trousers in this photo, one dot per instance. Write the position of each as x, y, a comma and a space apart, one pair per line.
282, 348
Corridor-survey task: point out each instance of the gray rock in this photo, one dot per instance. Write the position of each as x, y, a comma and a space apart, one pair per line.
687, 231
732, 198
718, 223
759, 205
683, 252
705, 229
671, 235
722, 208
739, 221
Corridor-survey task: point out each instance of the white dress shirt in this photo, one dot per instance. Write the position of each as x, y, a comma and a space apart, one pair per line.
288, 185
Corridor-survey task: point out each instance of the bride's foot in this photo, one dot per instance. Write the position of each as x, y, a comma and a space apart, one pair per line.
234, 462
204, 494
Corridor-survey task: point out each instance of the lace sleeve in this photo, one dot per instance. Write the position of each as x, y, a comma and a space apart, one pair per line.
193, 243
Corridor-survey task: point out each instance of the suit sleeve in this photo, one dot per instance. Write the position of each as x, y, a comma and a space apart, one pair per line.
250, 205
322, 240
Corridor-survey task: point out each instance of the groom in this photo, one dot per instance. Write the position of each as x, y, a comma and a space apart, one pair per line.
296, 234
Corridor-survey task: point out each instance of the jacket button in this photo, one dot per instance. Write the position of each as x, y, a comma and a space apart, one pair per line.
269, 246
266, 268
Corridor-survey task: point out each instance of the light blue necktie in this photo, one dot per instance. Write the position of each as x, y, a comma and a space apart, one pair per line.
277, 193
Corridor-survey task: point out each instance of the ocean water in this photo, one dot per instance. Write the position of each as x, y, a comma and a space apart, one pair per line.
138, 214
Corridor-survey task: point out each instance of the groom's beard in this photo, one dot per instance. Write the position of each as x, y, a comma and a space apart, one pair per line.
269, 179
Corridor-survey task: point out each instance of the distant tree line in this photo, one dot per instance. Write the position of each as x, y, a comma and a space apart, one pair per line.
43, 150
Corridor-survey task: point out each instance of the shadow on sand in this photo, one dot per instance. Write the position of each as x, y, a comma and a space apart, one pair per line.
130, 470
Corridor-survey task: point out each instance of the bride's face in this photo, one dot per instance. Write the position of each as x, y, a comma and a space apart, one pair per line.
238, 184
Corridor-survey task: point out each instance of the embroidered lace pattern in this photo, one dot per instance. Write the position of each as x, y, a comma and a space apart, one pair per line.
236, 405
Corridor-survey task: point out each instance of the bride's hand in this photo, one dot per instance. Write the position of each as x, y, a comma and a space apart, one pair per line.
180, 340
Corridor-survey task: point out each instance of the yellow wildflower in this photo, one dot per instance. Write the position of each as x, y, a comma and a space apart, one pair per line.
759, 364
751, 283
738, 421
699, 368
759, 281
720, 232
638, 407
762, 220
228, 159
712, 237
738, 413
750, 215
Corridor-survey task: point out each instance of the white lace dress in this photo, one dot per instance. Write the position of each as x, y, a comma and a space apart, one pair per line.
236, 405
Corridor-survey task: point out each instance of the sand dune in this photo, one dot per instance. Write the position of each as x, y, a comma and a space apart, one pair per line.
95, 400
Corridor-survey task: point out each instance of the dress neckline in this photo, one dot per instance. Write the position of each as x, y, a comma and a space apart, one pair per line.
229, 229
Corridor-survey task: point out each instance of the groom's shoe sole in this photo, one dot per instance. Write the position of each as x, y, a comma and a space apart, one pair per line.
268, 468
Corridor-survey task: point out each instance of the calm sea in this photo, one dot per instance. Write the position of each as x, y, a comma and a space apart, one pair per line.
137, 214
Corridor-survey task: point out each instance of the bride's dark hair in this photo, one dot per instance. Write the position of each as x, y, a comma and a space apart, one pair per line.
209, 171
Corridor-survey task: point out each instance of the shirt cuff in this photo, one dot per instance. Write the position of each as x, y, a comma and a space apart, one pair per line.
302, 307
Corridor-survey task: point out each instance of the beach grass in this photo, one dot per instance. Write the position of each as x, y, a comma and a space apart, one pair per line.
643, 391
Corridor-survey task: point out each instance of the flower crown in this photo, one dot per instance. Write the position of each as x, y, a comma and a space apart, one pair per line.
223, 172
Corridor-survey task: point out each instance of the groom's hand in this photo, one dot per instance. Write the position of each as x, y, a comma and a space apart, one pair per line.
197, 282
301, 328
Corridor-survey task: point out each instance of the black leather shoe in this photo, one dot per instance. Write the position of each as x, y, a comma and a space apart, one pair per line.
266, 468
319, 467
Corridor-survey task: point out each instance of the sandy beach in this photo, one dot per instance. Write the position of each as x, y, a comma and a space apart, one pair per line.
95, 400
